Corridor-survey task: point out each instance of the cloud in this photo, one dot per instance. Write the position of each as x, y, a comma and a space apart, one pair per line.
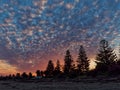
35, 31
6, 68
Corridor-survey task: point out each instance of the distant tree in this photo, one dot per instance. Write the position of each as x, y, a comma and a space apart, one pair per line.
82, 61
50, 69
10, 76
18, 76
1, 77
13, 76
24, 75
105, 57
68, 62
42, 73
57, 70
30, 75
38, 73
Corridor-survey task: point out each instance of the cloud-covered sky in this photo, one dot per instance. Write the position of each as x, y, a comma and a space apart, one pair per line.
35, 31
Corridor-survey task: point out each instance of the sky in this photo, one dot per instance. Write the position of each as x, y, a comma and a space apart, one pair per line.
35, 31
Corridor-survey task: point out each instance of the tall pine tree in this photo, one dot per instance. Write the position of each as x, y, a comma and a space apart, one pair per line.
50, 69
68, 63
82, 61
105, 57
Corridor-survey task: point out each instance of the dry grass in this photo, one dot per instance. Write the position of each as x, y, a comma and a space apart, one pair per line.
13, 85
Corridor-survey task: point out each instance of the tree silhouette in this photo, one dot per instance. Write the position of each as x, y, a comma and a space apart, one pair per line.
18, 76
68, 63
42, 73
13, 76
57, 70
116, 67
105, 57
74, 71
50, 69
82, 61
38, 73
24, 75
30, 75
10, 76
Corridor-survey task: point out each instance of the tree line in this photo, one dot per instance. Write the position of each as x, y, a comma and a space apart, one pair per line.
107, 64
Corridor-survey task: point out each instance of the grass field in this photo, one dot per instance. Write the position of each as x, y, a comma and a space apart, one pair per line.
14, 85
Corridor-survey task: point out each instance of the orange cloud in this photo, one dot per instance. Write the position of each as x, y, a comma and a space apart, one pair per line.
6, 68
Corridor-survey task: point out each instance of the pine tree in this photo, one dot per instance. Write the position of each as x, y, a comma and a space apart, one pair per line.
117, 66
105, 57
68, 63
57, 70
82, 61
50, 69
